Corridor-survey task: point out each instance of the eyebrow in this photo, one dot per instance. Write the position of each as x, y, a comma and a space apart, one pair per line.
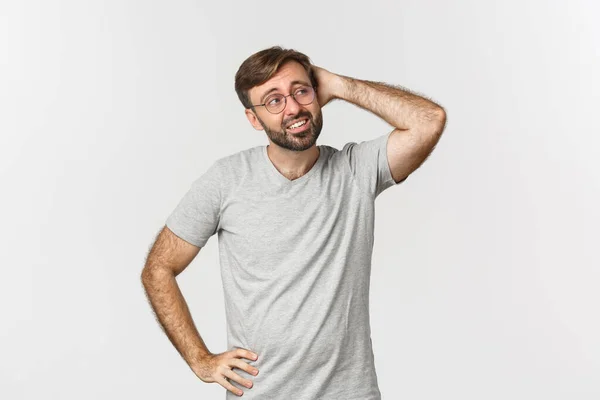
262, 98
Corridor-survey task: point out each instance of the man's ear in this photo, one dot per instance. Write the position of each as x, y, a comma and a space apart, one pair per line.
253, 120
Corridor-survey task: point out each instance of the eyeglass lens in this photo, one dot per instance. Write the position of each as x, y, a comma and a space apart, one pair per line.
304, 96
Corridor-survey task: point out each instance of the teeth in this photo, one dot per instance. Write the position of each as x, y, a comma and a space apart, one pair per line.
298, 124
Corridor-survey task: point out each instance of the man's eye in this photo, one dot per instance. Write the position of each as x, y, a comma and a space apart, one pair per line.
301, 91
273, 101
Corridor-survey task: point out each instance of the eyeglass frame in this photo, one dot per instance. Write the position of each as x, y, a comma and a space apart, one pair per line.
285, 100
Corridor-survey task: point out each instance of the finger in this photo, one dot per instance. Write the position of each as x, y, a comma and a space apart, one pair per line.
236, 378
225, 383
236, 362
246, 354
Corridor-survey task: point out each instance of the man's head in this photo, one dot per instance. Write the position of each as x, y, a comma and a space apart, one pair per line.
276, 71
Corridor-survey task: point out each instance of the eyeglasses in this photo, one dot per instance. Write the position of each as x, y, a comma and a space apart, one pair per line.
276, 103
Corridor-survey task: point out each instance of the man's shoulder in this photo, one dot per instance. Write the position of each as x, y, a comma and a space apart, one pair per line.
238, 159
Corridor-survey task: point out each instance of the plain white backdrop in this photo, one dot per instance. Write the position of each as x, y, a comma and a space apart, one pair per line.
485, 269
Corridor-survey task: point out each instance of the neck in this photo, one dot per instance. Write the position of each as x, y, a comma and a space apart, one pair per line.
293, 164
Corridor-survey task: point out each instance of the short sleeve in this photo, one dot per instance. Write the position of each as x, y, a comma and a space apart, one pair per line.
369, 165
196, 218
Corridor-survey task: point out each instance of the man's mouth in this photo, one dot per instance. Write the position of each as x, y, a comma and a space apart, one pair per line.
299, 126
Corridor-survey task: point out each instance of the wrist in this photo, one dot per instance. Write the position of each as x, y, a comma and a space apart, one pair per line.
198, 360
340, 86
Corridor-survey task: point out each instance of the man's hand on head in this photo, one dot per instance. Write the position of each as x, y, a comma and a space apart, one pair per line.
329, 85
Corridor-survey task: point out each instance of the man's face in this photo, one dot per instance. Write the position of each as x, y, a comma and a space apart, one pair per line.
277, 125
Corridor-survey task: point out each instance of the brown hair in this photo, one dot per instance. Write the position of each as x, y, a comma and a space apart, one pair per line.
261, 66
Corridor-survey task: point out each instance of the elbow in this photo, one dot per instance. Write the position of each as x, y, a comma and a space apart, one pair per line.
438, 121
156, 272
149, 273
146, 275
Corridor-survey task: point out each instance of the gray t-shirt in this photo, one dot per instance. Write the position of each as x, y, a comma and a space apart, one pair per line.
295, 265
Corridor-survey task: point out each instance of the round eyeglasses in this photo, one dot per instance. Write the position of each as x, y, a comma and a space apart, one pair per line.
276, 103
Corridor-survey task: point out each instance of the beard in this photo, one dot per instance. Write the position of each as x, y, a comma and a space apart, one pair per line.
300, 141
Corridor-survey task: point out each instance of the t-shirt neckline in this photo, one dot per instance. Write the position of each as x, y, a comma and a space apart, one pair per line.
275, 172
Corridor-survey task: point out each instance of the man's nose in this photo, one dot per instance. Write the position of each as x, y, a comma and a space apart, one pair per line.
292, 106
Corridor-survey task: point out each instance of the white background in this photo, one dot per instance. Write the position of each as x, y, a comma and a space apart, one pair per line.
485, 276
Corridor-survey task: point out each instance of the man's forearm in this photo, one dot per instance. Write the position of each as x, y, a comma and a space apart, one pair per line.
174, 315
397, 106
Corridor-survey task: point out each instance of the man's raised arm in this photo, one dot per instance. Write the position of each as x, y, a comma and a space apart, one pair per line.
419, 122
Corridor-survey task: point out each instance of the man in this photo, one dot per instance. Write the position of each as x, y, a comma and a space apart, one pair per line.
295, 225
